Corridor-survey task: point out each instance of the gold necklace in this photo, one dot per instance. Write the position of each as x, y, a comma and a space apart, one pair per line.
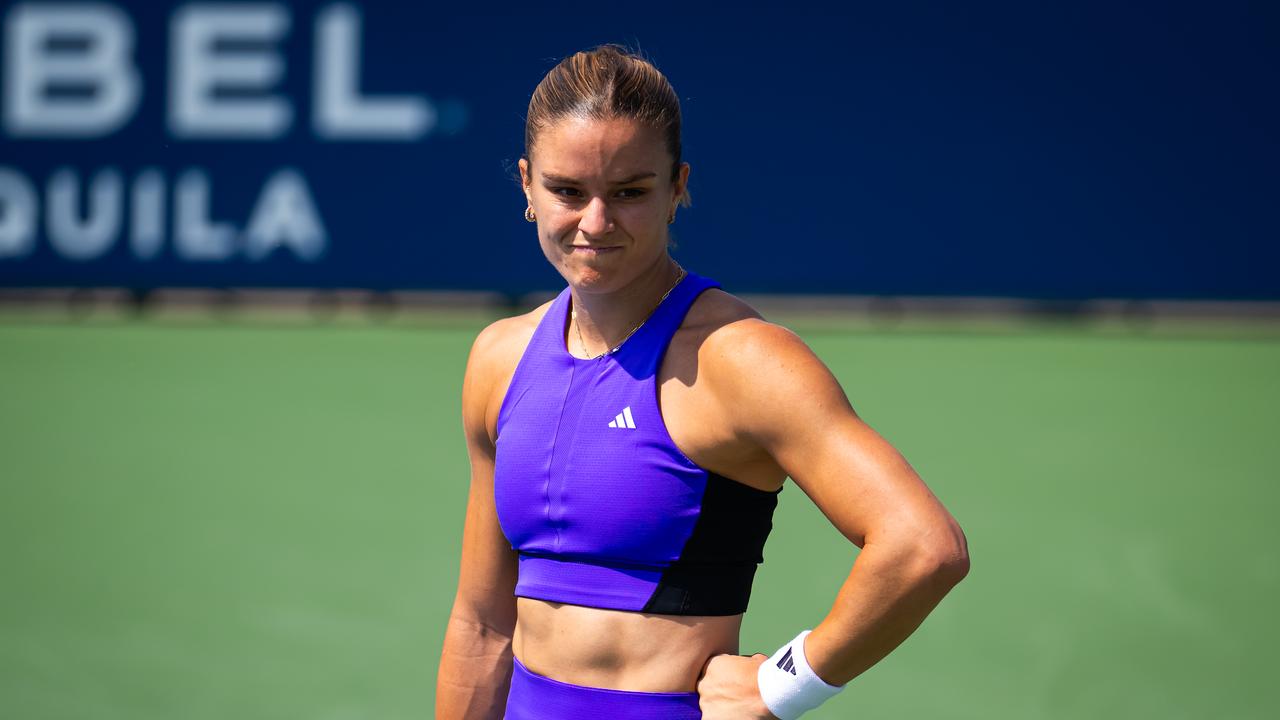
573, 314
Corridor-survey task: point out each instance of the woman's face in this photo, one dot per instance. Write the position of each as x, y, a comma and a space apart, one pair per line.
602, 191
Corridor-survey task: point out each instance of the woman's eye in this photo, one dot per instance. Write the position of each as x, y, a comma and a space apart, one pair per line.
631, 193
565, 192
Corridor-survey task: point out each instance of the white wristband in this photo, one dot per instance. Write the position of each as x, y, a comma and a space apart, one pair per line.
788, 685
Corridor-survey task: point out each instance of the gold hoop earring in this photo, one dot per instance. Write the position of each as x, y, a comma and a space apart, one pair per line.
530, 215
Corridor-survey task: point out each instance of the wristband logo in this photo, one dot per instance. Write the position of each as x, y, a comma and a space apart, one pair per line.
786, 663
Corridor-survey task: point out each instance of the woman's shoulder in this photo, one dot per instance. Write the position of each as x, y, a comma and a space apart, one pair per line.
738, 349
720, 322
498, 347
494, 356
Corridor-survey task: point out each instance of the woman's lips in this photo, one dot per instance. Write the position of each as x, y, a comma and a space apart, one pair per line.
592, 250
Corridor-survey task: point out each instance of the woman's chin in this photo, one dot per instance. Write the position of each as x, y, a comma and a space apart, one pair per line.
593, 278
592, 281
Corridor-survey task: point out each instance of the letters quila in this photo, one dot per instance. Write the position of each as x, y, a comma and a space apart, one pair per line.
223, 68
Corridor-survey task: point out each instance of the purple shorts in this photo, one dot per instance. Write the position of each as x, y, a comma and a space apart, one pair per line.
534, 697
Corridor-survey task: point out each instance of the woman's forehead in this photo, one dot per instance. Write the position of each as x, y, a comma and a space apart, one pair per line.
585, 146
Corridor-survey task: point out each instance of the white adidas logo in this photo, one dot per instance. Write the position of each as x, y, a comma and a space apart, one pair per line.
624, 419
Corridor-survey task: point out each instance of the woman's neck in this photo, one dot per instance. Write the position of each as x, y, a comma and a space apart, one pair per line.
601, 322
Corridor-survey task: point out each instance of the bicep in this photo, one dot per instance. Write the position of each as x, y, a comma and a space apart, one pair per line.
487, 573
858, 480
800, 416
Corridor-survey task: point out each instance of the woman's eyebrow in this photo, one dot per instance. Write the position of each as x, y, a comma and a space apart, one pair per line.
551, 177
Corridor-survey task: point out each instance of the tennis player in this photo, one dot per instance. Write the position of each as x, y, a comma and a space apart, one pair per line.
628, 441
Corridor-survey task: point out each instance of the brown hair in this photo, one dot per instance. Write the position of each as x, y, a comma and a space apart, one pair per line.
606, 83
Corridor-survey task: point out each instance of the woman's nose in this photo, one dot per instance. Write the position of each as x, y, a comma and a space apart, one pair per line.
596, 218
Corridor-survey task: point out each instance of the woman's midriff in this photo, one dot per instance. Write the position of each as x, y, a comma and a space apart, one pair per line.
619, 650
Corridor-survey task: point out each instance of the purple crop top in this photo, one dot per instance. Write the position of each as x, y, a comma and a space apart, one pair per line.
602, 506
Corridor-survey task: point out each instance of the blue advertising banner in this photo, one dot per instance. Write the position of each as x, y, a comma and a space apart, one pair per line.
1045, 150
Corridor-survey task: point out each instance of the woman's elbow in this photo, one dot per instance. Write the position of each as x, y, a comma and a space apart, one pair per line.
936, 554
948, 556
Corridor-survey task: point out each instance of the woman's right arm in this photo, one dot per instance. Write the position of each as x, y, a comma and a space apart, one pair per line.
475, 666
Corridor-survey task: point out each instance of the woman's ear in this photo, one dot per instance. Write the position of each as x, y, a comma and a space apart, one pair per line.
680, 188
525, 180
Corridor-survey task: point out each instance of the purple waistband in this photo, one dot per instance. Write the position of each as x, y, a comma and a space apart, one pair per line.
585, 583
534, 697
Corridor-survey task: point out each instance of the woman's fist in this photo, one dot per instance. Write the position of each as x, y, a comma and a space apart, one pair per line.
727, 689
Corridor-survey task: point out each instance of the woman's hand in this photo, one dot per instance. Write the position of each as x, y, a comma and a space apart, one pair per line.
728, 690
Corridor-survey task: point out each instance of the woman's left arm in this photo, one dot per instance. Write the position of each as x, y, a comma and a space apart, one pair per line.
782, 399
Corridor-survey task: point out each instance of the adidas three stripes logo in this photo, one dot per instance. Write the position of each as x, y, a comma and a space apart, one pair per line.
624, 419
787, 663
